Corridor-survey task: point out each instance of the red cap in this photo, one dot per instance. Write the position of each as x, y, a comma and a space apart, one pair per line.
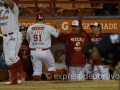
40, 15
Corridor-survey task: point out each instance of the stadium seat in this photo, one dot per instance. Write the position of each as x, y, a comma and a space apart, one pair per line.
30, 11
68, 13
88, 11
64, 6
26, 5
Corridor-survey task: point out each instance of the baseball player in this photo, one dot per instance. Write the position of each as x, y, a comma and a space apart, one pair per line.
12, 39
39, 36
106, 50
74, 60
24, 54
88, 65
99, 68
24, 51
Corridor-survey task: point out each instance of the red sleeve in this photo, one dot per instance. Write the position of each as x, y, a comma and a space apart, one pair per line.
62, 37
82, 30
87, 39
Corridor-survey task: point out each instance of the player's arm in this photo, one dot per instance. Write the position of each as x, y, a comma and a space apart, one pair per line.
55, 31
9, 3
80, 15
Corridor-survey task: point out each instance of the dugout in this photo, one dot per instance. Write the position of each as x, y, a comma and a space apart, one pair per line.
109, 24
66, 12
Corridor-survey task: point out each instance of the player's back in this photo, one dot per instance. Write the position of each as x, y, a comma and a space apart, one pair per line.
40, 35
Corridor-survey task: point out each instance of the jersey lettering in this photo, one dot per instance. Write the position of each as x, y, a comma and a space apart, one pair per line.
77, 39
4, 17
95, 39
38, 28
37, 37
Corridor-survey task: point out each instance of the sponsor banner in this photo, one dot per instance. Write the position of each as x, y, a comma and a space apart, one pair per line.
108, 26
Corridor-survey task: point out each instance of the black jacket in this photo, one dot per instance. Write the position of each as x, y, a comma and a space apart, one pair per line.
109, 48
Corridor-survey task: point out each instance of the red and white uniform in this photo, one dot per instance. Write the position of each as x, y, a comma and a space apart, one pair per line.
39, 36
12, 38
74, 58
99, 68
9, 20
24, 52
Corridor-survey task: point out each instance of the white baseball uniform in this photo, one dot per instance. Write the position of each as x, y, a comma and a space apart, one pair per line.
12, 38
39, 36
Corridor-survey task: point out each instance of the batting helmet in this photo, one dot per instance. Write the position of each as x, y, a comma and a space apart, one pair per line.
40, 15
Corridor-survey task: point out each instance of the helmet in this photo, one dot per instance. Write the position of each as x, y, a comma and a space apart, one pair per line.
40, 15
23, 28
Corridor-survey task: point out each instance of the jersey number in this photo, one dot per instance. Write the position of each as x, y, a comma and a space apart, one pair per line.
37, 37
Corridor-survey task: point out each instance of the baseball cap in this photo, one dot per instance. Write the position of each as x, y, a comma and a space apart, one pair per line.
87, 49
75, 23
96, 24
40, 15
23, 28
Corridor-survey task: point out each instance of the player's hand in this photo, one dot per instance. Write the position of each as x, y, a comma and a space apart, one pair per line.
57, 24
80, 15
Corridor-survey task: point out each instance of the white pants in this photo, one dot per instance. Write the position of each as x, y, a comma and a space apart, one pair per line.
101, 72
39, 57
88, 69
11, 46
76, 73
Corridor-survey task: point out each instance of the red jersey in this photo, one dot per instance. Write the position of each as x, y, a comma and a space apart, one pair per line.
73, 44
23, 54
95, 39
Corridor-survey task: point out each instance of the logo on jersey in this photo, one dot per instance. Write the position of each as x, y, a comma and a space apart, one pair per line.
3, 24
77, 46
12, 38
77, 43
95, 39
1, 11
4, 17
6, 11
35, 43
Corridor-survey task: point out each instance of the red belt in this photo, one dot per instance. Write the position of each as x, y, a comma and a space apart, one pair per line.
43, 49
8, 34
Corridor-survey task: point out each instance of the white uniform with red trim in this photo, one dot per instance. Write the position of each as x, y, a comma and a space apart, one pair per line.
39, 36
12, 38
